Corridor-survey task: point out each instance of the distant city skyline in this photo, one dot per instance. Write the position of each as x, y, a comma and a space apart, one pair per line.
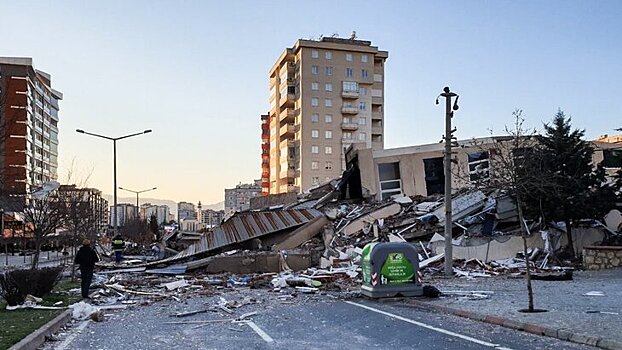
197, 74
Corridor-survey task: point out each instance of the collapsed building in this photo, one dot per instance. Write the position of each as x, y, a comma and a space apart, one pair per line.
384, 195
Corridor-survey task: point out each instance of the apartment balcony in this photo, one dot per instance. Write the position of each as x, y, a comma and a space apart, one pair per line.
287, 173
287, 143
287, 100
350, 94
349, 110
288, 188
376, 130
376, 115
376, 100
287, 130
287, 115
349, 126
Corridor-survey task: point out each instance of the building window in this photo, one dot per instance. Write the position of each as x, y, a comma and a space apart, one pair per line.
315, 70
346, 120
347, 135
348, 72
315, 133
328, 150
362, 136
328, 165
479, 166
315, 180
362, 106
315, 86
390, 181
315, 54
328, 87
328, 118
328, 134
364, 58
328, 71
349, 57
315, 149
328, 55
328, 102
364, 73
315, 165
315, 101
350, 86
315, 118
363, 91
362, 121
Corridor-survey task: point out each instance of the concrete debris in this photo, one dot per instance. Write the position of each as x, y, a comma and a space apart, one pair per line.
595, 293
84, 311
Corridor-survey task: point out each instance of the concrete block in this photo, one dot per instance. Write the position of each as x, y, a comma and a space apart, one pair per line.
581, 338
564, 334
609, 344
514, 324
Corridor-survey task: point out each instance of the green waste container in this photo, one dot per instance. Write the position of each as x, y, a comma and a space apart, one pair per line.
390, 269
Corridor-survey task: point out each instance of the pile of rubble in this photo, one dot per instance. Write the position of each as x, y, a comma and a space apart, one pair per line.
322, 237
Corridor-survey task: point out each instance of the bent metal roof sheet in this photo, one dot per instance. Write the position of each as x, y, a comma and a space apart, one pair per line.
246, 226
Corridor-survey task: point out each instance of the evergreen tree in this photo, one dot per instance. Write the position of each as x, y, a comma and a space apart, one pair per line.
576, 189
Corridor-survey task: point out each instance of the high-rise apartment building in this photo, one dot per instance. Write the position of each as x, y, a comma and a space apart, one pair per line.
239, 198
161, 212
28, 126
186, 211
324, 96
88, 205
265, 154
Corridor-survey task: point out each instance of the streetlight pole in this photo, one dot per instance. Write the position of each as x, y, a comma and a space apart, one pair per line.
448, 137
114, 158
137, 193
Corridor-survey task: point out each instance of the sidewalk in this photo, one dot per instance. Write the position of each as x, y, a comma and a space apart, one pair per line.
17, 261
565, 301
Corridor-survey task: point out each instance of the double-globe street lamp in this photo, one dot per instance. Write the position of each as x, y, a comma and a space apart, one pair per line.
137, 193
114, 140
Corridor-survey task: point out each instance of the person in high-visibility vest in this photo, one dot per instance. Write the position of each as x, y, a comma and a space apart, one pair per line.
118, 245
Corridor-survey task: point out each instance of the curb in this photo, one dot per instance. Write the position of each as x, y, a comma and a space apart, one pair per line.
559, 333
36, 338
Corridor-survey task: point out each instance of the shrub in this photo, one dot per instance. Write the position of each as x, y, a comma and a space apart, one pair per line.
16, 284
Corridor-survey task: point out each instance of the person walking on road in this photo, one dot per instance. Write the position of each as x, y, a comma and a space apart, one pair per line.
86, 258
118, 245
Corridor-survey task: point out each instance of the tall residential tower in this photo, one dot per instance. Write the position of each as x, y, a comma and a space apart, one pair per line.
28, 126
324, 96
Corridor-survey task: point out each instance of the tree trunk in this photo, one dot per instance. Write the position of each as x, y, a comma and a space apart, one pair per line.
569, 236
35, 258
73, 252
527, 263
523, 226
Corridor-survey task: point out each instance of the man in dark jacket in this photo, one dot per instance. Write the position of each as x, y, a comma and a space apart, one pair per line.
86, 258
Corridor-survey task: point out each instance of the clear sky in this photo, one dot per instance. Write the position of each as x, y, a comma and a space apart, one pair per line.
196, 73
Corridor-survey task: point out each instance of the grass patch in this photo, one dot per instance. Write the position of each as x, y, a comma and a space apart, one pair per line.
17, 324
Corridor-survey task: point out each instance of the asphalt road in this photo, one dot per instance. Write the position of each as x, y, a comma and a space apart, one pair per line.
318, 322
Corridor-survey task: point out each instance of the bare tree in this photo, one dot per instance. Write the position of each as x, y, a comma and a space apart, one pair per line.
42, 216
514, 169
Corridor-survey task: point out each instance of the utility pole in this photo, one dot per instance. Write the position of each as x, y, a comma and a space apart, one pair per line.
448, 137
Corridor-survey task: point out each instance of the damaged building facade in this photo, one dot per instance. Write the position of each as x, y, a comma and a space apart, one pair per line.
418, 170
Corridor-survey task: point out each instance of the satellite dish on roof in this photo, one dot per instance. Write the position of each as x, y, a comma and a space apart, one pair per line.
45, 189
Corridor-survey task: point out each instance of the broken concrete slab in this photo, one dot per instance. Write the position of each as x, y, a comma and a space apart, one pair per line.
302, 234
356, 225
462, 206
